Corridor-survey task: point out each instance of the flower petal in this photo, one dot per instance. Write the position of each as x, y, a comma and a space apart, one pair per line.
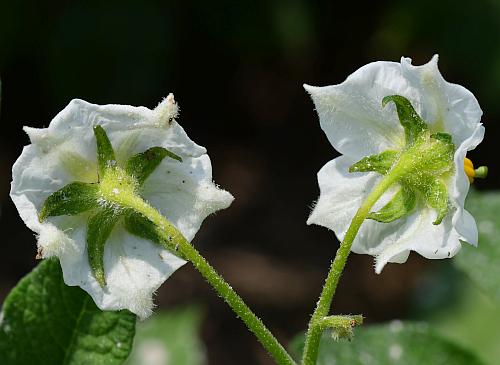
185, 193
134, 269
458, 188
414, 233
35, 177
467, 228
444, 106
351, 113
342, 193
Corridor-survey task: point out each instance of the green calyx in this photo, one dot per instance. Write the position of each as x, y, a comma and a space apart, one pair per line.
420, 168
110, 200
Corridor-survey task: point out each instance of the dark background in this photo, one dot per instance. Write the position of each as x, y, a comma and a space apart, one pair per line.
236, 69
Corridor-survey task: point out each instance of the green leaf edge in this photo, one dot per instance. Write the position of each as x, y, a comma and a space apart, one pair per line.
45, 267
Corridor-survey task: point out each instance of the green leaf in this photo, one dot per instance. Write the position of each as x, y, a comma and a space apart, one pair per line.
74, 198
412, 123
105, 153
45, 322
99, 228
401, 204
143, 164
173, 336
482, 264
380, 163
394, 343
465, 314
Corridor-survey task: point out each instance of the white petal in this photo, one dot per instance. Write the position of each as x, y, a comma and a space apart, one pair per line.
446, 107
36, 175
342, 193
134, 269
467, 228
355, 123
458, 187
351, 113
414, 233
66, 152
184, 192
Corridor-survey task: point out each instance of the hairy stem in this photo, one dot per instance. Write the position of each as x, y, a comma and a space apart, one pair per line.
175, 239
315, 329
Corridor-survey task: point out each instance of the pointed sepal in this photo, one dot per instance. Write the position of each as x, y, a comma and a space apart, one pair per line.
443, 137
143, 164
380, 163
434, 192
412, 123
99, 228
105, 153
436, 196
440, 153
74, 198
401, 204
138, 225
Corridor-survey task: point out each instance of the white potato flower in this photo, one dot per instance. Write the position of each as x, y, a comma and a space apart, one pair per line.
65, 154
424, 210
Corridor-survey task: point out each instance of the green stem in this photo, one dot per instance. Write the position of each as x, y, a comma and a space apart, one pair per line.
315, 329
170, 234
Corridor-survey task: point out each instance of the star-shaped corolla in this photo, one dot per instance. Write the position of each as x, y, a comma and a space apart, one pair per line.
160, 162
358, 125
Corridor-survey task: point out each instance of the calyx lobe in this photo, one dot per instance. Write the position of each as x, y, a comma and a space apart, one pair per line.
105, 199
420, 167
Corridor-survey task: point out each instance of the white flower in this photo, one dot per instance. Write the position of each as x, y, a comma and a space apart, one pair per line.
66, 152
356, 124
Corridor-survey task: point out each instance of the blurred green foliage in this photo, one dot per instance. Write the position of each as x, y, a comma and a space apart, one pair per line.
393, 343
482, 263
171, 337
472, 320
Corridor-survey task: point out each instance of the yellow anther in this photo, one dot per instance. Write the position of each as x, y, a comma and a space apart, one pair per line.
469, 169
480, 173
468, 162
